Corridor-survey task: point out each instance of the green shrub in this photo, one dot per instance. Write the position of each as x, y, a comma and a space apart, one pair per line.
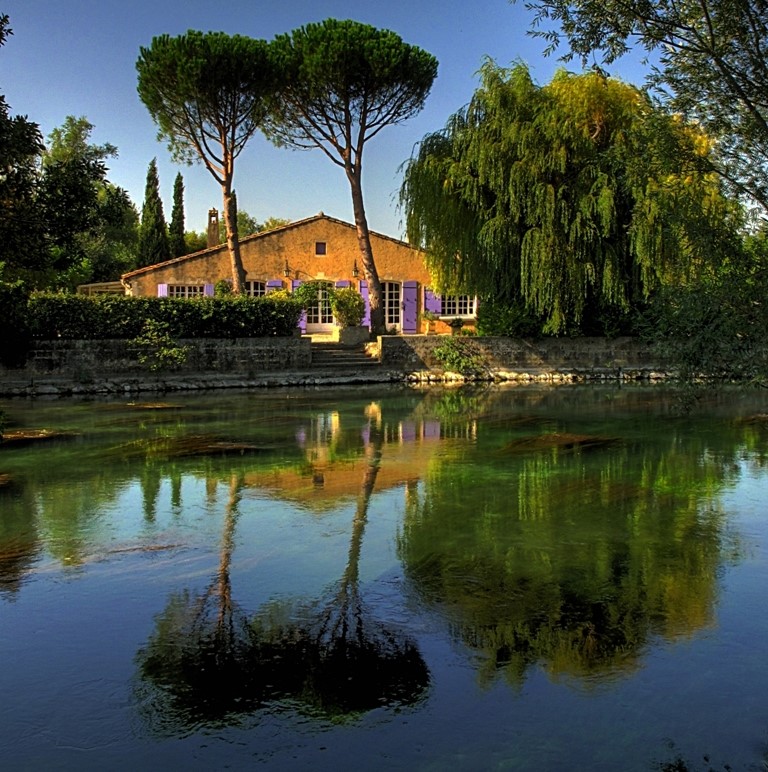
513, 320
459, 355
14, 329
158, 350
348, 306
53, 316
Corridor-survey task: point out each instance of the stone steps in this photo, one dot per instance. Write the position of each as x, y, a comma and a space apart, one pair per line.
335, 356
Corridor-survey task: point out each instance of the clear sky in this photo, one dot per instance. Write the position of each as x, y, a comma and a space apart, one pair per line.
78, 57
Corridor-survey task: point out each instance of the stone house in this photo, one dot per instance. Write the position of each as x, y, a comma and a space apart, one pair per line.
319, 248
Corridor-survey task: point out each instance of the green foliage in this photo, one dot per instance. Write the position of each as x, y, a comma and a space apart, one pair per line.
14, 332
207, 93
459, 355
710, 66
716, 329
341, 83
306, 294
222, 288
158, 350
53, 316
348, 306
346, 303
70, 142
574, 196
495, 317
176, 243
153, 235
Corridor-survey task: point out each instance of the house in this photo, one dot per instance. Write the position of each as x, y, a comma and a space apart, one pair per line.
319, 248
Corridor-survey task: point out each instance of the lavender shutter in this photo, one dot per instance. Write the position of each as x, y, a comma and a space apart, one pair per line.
410, 304
208, 290
273, 285
341, 283
366, 298
303, 320
162, 290
432, 301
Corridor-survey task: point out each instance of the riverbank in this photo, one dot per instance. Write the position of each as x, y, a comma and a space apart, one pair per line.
65, 368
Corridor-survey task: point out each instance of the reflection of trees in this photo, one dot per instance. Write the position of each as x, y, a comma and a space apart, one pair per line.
572, 560
201, 655
207, 661
19, 543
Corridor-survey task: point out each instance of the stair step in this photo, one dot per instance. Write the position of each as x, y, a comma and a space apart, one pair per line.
333, 355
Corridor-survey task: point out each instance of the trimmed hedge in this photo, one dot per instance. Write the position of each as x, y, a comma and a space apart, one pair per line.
14, 330
82, 317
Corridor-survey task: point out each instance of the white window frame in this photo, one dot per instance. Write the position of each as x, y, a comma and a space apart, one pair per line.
458, 306
255, 289
186, 291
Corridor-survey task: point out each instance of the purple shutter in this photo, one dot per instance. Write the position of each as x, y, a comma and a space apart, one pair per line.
274, 284
366, 298
162, 290
208, 290
343, 283
432, 301
431, 430
410, 305
408, 431
303, 320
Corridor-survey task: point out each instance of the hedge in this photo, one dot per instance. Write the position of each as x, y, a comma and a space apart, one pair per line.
51, 316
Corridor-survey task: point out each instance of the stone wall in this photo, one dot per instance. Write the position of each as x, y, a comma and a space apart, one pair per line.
82, 360
511, 356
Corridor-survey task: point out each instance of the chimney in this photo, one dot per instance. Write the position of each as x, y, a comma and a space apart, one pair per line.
213, 227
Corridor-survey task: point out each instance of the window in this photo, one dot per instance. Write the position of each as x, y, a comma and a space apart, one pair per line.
321, 248
457, 305
255, 289
186, 290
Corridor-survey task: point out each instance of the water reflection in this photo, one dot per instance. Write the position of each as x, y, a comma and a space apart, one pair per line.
564, 530
209, 661
569, 551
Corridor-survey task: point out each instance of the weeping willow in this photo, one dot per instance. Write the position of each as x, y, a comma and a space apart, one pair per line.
566, 196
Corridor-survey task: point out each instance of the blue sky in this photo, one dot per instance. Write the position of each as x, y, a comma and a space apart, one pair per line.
78, 58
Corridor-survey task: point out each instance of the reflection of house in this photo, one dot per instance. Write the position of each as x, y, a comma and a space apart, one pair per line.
330, 474
317, 248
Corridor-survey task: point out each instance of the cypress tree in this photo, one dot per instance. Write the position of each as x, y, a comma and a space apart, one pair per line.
153, 234
176, 228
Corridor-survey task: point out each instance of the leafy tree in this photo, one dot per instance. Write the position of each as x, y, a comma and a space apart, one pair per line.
273, 222
153, 236
577, 197
711, 63
21, 145
246, 225
342, 82
91, 224
194, 241
207, 93
176, 242
70, 142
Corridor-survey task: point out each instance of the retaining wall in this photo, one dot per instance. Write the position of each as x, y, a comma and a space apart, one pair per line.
523, 355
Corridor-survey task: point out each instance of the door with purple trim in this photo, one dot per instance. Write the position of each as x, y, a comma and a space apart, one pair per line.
319, 314
392, 297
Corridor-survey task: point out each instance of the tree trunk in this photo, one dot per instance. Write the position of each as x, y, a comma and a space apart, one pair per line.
378, 326
233, 238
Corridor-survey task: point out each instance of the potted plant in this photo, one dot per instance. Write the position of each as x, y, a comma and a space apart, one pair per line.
429, 318
348, 308
456, 324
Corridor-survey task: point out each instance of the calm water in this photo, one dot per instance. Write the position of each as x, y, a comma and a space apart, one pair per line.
516, 579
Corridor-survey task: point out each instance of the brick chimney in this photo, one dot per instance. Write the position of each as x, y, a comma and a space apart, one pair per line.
213, 227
